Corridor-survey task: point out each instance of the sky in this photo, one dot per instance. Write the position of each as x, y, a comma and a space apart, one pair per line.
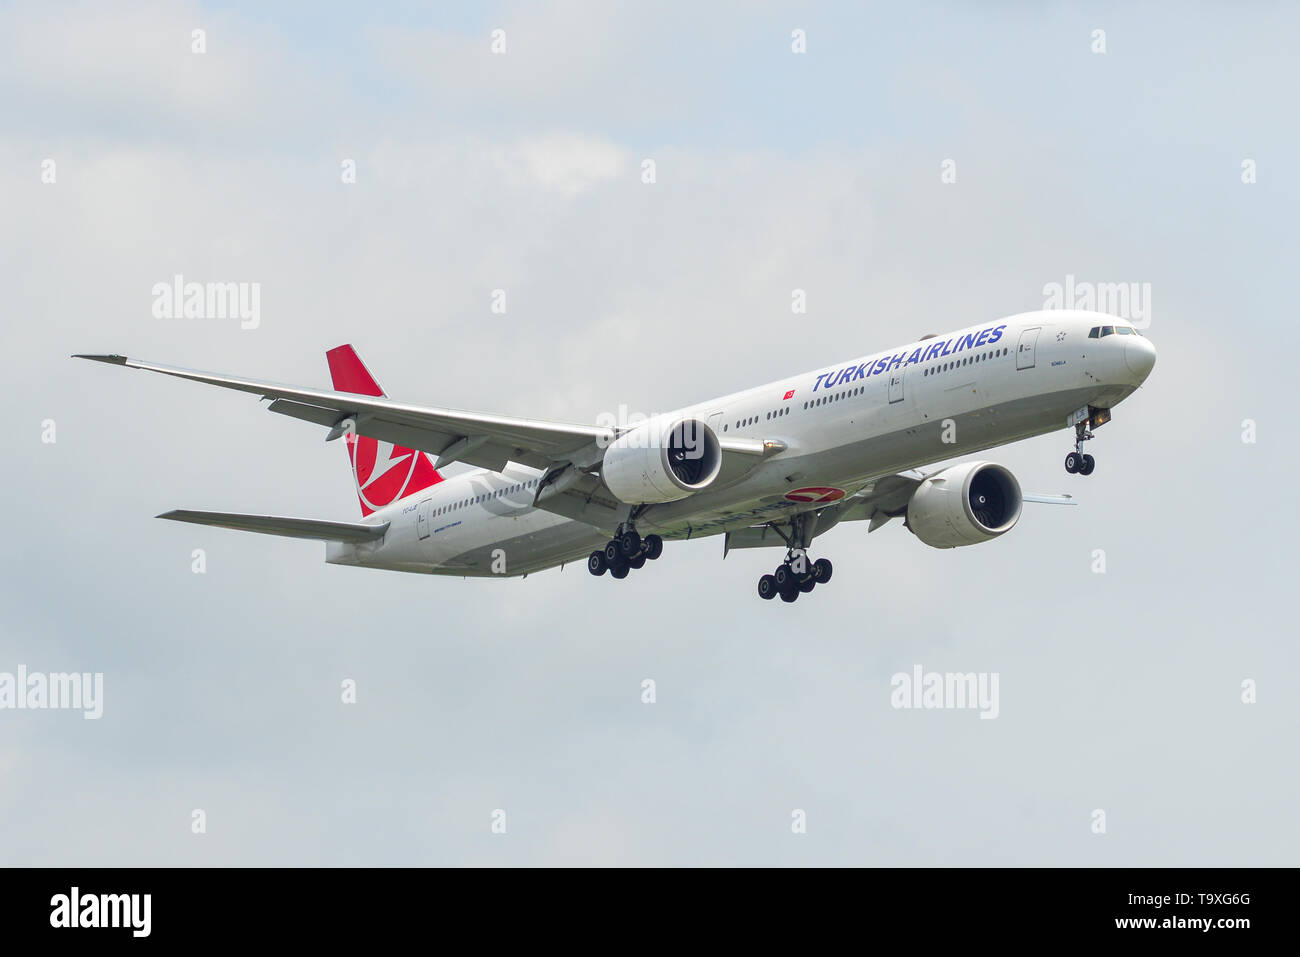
1158, 691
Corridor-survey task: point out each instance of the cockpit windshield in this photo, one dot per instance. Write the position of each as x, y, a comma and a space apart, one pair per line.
1101, 332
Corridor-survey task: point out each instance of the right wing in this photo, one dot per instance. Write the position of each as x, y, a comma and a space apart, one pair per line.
876, 502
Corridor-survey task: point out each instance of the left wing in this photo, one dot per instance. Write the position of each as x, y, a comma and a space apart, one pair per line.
479, 438
451, 435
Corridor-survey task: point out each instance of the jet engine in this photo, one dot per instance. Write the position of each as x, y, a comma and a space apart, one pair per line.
662, 460
965, 505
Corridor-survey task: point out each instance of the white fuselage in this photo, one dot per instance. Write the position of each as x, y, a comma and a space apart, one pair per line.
843, 426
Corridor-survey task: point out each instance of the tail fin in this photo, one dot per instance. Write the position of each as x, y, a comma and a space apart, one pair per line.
383, 472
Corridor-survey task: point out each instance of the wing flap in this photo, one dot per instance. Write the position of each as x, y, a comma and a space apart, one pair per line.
285, 527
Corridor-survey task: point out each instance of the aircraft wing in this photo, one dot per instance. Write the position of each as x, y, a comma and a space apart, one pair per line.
887, 498
876, 502
451, 435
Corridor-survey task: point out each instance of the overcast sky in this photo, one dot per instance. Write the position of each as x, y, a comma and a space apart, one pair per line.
522, 171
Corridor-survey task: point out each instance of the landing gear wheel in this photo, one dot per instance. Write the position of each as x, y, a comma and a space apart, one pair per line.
629, 543
1072, 462
636, 561
620, 570
613, 554
822, 569
654, 546
767, 588
1088, 464
789, 593
784, 578
596, 563
808, 584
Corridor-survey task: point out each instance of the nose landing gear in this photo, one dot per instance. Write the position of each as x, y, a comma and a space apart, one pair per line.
1077, 462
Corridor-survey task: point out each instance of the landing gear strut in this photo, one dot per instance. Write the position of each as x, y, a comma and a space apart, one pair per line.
1077, 461
796, 575
625, 552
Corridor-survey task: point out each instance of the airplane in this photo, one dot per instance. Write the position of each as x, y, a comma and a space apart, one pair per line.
774, 466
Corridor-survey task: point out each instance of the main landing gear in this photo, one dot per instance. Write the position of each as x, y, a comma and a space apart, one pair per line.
1077, 461
624, 552
795, 576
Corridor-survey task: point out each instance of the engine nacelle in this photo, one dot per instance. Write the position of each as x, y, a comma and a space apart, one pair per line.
662, 460
965, 505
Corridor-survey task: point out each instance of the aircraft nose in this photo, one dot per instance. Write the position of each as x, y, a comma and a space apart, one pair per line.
1139, 356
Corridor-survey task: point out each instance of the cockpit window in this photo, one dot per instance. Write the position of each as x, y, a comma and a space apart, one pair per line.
1124, 330
1107, 331
1092, 333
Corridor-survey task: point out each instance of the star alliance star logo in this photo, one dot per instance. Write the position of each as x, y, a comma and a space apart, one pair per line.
1060, 337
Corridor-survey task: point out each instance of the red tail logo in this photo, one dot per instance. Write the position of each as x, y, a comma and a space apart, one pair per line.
384, 472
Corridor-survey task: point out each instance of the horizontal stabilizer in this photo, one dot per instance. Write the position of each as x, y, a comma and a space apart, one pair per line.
286, 527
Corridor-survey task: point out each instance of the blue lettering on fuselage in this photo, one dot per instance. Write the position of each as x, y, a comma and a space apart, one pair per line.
985, 337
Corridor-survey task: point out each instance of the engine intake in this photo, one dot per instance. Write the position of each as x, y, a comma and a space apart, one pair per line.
662, 460
965, 505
